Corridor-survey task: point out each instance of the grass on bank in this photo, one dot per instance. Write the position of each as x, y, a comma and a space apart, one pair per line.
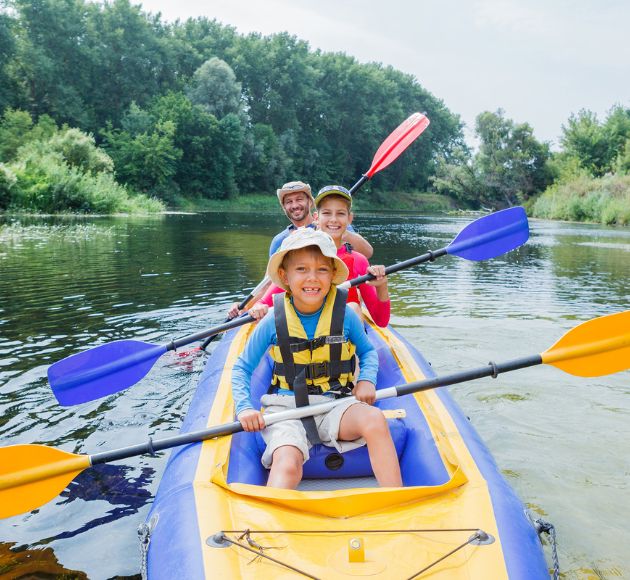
268, 202
604, 200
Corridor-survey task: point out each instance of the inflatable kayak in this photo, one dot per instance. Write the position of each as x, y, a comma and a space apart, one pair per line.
455, 517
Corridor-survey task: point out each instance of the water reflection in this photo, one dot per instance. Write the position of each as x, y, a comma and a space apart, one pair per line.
67, 284
114, 484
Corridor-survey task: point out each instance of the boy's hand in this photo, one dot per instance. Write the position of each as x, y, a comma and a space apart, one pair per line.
365, 392
251, 420
233, 312
379, 273
258, 311
380, 282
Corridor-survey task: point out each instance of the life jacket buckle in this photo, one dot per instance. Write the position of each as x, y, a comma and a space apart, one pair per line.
317, 370
311, 345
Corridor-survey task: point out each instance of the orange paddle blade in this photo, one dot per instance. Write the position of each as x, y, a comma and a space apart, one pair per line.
32, 475
594, 348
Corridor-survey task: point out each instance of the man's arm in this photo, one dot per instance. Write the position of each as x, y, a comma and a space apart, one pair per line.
359, 243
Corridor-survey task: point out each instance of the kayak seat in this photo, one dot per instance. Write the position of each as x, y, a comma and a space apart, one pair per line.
327, 462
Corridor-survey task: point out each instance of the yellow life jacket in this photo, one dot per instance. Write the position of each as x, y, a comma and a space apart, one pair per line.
327, 360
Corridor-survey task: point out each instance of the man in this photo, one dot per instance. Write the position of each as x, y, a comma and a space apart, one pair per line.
297, 202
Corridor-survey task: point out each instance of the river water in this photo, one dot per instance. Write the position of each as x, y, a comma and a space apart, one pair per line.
67, 284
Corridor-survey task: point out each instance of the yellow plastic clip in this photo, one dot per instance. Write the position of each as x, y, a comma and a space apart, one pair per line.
356, 550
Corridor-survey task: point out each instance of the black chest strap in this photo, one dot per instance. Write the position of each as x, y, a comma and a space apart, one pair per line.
297, 381
295, 375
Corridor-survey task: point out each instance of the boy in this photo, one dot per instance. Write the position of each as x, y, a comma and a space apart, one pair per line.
307, 267
334, 216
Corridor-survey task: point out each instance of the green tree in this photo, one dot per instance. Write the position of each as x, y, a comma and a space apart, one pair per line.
131, 59
7, 186
52, 62
79, 150
7, 51
263, 163
215, 89
512, 163
617, 131
17, 129
509, 168
210, 149
458, 176
145, 159
622, 163
584, 138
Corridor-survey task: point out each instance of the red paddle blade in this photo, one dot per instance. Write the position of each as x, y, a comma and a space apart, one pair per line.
400, 138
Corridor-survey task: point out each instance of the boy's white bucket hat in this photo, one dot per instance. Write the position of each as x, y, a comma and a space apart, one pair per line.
302, 238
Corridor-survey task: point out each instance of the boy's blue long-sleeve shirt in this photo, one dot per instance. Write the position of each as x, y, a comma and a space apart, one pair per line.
264, 336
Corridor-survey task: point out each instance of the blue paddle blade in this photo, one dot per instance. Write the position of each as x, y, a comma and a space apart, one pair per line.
101, 371
492, 235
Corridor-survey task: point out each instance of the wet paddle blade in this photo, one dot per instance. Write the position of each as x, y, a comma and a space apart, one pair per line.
400, 138
32, 475
491, 235
594, 348
102, 370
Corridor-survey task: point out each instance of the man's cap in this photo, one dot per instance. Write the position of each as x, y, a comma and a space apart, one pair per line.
302, 238
332, 190
294, 187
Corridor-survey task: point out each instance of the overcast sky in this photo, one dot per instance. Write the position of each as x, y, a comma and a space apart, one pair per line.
539, 60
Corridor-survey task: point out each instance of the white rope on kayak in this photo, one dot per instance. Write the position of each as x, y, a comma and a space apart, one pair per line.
479, 537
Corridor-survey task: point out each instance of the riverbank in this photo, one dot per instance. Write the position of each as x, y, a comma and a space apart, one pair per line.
426, 203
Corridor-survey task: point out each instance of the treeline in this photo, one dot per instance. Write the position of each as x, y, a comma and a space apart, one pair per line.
587, 180
194, 109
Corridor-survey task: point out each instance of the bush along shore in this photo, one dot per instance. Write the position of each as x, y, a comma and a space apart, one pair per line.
53, 170
603, 200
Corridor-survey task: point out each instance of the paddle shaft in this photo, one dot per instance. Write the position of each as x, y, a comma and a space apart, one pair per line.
240, 307
120, 364
359, 184
427, 257
234, 323
152, 446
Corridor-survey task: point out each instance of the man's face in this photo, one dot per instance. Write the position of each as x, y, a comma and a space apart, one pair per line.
297, 207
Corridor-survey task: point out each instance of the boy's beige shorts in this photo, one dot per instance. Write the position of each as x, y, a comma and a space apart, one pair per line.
292, 432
